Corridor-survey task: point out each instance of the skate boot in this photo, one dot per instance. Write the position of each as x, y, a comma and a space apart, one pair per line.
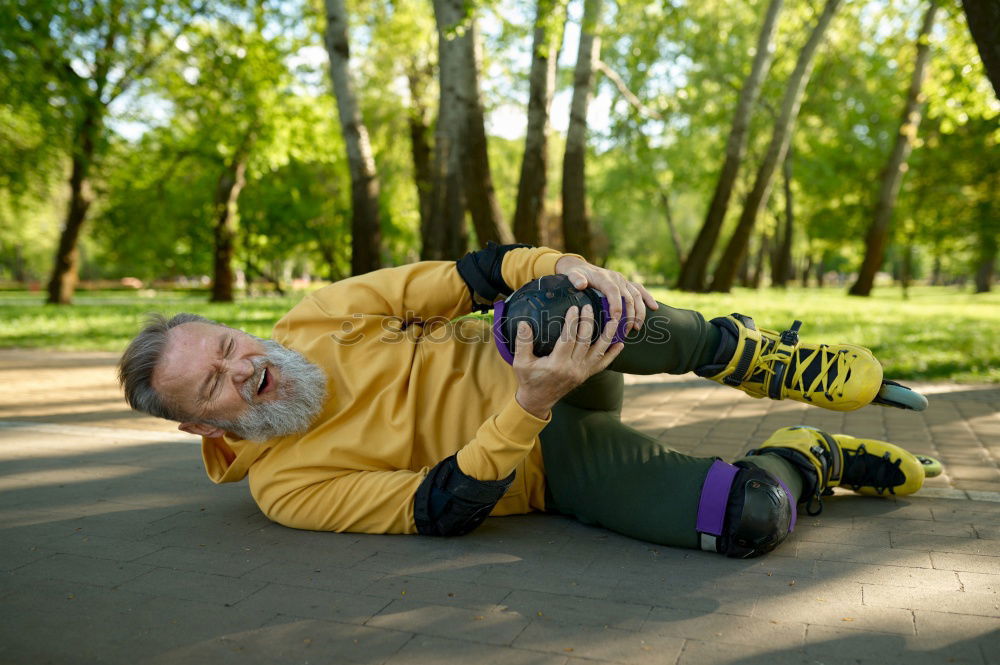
867, 466
763, 363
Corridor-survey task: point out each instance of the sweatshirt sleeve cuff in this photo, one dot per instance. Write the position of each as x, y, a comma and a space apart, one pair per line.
522, 265
517, 424
501, 443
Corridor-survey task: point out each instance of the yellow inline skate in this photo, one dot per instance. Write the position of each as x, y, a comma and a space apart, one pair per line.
764, 363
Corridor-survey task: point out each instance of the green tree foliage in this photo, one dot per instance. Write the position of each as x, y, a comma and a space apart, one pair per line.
186, 106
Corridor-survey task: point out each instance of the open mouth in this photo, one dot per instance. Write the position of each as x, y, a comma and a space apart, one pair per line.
265, 381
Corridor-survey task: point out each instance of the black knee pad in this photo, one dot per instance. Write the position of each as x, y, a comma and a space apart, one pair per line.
744, 511
542, 304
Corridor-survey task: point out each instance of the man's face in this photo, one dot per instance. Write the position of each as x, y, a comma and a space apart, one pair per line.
226, 378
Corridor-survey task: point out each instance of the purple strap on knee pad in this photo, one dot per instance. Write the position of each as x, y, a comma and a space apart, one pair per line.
498, 337
715, 497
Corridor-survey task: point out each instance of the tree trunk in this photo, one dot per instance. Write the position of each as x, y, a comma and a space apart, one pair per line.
675, 237
983, 17
892, 176
984, 275
227, 196
694, 270
758, 273
807, 270
480, 195
906, 269
757, 199
366, 235
576, 224
550, 21
445, 236
821, 270
66, 264
420, 147
783, 257
936, 268
989, 238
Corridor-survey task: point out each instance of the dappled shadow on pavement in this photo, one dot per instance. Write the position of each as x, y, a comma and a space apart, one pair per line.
113, 540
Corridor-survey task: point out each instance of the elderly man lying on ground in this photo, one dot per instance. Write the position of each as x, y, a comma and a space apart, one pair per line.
377, 408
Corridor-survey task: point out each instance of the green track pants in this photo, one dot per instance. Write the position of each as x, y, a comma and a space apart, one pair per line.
606, 473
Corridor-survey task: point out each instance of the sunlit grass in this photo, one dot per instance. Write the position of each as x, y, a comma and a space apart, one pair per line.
938, 333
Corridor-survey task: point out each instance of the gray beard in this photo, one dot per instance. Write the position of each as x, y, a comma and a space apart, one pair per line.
300, 397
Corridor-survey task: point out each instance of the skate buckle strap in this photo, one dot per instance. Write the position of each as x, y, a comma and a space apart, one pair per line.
836, 457
750, 344
713, 502
781, 357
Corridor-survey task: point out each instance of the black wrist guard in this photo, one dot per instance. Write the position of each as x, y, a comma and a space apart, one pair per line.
481, 271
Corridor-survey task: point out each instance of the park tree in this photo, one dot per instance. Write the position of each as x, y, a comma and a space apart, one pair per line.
365, 225
781, 261
757, 199
480, 193
983, 17
79, 59
547, 38
895, 167
577, 231
695, 267
444, 235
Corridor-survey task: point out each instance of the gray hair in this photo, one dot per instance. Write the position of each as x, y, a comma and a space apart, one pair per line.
137, 364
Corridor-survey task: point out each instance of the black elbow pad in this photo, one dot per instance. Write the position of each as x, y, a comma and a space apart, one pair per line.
450, 503
481, 271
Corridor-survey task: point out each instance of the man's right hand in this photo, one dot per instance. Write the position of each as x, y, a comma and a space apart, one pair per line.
544, 381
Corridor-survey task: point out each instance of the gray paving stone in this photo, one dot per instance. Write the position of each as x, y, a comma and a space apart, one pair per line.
869, 555
426, 650
202, 560
101, 547
958, 602
703, 596
75, 568
967, 562
980, 582
599, 643
822, 642
726, 629
488, 625
819, 609
314, 603
188, 585
326, 576
584, 611
930, 543
843, 536
700, 652
901, 576
548, 577
420, 589
290, 640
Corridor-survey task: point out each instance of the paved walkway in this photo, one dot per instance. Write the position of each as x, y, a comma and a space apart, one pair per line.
114, 548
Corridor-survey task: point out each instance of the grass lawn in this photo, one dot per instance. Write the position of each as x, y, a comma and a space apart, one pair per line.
939, 333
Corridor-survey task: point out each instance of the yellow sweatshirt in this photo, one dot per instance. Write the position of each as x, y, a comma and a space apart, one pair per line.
407, 387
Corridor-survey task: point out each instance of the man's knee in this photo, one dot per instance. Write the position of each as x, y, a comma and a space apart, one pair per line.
744, 511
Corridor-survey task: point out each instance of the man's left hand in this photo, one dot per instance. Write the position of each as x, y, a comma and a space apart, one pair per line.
614, 286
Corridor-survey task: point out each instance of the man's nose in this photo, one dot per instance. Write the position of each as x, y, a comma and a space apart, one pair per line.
241, 369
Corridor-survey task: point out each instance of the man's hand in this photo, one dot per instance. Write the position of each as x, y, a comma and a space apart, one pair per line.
614, 286
544, 381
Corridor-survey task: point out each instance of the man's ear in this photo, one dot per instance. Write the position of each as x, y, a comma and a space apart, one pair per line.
201, 429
